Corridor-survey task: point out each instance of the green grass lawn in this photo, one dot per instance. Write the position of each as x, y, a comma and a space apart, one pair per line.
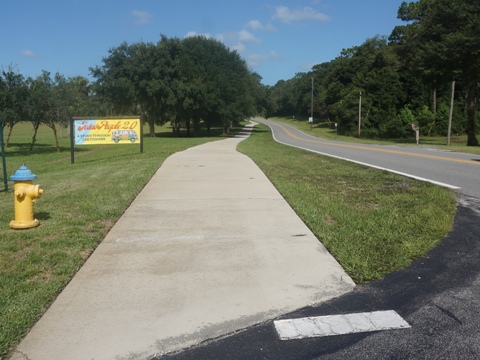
373, 222
79, 205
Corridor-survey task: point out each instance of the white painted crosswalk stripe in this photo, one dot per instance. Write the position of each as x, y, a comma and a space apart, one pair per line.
331, 325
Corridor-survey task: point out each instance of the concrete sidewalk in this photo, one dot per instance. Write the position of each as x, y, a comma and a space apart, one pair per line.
208, 247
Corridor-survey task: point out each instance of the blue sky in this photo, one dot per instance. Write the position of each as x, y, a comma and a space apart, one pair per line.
277, 38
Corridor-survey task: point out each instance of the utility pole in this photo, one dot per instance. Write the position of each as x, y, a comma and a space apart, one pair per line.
311, 109
451, 114
359, 113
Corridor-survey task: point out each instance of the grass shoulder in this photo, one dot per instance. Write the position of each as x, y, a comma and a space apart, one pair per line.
373, 222
327, 131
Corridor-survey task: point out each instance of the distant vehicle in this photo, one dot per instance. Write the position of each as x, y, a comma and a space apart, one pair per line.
118, 135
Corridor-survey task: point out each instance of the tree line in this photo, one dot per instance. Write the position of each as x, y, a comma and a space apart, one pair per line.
46, 99
191, 83
403, 79
198, 82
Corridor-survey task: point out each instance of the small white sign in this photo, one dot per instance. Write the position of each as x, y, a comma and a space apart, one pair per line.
310, 120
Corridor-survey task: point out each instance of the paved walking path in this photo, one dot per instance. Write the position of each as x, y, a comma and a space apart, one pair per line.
207, 248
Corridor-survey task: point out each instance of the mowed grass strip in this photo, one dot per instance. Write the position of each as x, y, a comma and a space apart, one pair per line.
81, 202
373, 222
327, 131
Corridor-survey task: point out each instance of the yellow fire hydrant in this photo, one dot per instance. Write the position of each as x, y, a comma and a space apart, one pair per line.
25, 194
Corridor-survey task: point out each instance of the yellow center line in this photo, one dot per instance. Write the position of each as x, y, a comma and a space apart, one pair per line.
444, 158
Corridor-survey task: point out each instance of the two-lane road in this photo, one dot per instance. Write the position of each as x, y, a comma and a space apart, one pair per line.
459, 171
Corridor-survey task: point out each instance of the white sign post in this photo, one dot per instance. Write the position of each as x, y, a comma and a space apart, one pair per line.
416, 128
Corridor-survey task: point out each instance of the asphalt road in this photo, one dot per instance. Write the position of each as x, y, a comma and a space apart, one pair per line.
458, 171
438, 295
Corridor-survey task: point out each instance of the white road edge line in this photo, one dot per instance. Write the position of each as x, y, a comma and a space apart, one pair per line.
332, 325
453, 187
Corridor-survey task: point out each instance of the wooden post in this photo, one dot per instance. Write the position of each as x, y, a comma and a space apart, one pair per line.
451, 114
359, 114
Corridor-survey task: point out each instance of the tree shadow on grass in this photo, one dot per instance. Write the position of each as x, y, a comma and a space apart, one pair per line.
21, 149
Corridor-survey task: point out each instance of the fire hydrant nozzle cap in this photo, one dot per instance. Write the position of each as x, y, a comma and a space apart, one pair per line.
23, 174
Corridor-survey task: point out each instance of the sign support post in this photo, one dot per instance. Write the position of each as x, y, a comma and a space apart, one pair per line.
4, 163
416, 128
71, 132
141, 133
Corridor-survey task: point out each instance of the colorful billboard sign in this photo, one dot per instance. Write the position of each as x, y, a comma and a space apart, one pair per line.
107, 131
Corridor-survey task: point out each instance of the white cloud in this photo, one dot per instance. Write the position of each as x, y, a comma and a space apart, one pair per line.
256, 59
190, 34
254, 25
287, 15
141, 17
307, 66
274, 54
248, 37
242, 36
257, 25
194, 33
238, 36
242, 41
238, 40
239, 47
29, 54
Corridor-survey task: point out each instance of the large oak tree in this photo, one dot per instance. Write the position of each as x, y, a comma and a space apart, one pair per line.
178, 80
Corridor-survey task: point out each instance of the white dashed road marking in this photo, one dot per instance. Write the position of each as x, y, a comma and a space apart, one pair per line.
339, 324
